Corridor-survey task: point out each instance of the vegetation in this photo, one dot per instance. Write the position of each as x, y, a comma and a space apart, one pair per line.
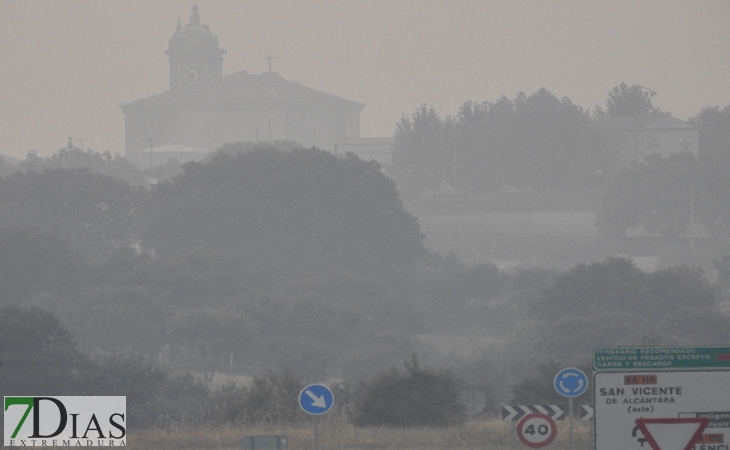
418, 397
664, 195
536, 141
284, 212
293, 265
626, 101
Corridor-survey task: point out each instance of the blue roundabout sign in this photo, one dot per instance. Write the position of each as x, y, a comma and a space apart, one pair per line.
571, 382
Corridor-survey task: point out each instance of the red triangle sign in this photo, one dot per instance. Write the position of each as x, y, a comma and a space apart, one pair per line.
672, 434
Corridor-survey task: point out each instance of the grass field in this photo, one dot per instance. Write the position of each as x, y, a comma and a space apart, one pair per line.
333, 435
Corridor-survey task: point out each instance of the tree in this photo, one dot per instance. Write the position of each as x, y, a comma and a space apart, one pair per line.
624, 100
155, 397
38, 354
89, 209
418, 397
713, 129
303, 210
32, 262
112, 318
561, 150
272, 399
536, 141
71, 157
656, 194
616, 285
209, 336
421, 146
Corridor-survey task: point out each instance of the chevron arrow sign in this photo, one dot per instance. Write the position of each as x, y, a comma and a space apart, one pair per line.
513, 413
586, 412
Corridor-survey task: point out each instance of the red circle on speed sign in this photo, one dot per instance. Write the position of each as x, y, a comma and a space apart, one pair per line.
536, 430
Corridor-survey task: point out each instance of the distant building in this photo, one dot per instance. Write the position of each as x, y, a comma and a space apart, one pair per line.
205, 109
635, 138
161, 153
379, 150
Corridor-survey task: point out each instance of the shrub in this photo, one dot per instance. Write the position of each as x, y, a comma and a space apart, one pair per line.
270, 399
418, 397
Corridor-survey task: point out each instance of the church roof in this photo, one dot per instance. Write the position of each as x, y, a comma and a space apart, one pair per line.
243, 89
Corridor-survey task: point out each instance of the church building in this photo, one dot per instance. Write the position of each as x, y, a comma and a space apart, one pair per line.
205, 109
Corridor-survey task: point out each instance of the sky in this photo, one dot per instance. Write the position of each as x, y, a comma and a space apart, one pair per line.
67, 65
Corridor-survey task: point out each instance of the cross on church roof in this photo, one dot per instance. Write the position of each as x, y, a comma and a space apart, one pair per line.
269, 58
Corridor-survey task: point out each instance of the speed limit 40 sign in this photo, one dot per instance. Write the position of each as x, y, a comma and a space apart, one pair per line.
536, 430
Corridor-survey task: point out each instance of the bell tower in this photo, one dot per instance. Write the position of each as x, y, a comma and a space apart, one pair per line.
194, 54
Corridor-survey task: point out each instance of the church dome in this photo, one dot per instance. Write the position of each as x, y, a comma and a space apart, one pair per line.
194, 31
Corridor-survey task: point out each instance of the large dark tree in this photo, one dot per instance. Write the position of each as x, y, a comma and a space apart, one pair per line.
300, 210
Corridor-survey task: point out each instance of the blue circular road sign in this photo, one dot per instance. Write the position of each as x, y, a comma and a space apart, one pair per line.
316, 399
571, 382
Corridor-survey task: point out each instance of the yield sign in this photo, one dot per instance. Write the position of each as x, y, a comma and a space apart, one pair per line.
672, 434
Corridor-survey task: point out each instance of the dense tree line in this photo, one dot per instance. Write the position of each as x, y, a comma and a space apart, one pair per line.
536, 141
544, 143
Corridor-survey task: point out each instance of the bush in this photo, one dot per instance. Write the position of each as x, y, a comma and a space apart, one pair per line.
418, 397
270, 399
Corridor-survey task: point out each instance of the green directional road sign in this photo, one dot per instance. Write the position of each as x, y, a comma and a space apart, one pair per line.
660, 358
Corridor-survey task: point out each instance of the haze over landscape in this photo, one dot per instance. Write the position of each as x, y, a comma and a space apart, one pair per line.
67, 65
530, 186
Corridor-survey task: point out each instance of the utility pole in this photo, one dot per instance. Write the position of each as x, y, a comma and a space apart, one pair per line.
602, 193
152, 146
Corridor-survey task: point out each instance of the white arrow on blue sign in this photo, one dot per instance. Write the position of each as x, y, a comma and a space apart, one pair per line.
571, 382
316, 399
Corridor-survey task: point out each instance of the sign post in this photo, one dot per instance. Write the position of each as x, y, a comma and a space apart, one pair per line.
570, 382
667, 397
316, 399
